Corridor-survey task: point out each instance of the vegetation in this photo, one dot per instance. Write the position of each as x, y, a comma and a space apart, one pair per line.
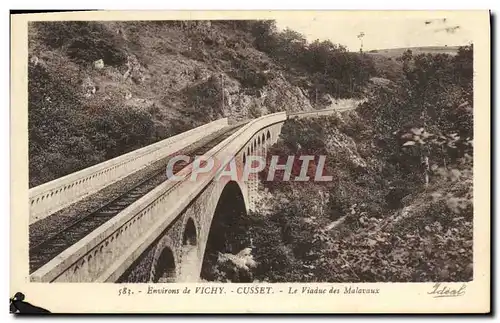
399, 207
77, 137
328, 67
112, 87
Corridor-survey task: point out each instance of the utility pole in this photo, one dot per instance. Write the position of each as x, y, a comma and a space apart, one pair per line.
360, 37
222, 88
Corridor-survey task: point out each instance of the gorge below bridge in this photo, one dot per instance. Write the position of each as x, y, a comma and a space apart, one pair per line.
125, 220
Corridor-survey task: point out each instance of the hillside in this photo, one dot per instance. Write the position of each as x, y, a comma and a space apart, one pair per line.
101, 89
397, 52
400, 205
388, 66
375, 222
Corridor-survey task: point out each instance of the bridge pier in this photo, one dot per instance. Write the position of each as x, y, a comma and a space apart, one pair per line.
259, 146
177, 256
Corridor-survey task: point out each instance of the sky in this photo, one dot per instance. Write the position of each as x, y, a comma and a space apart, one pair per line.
381, 31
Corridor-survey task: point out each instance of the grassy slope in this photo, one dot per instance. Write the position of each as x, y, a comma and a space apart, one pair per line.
357, 228
376, 221
386, 62
174, 85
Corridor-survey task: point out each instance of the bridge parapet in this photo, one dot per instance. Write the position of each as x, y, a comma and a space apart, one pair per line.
316, 113
59, 193
105, 254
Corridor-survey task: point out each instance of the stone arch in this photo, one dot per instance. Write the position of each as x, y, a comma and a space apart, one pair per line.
258, 140
164, 268
263, 138
268, 136
188, 271
244, 159
190, 236
230, 206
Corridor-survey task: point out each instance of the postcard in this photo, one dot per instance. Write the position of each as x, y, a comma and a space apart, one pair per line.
250, 162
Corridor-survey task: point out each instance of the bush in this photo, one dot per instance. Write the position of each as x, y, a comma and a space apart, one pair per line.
392, 224
84, 41
78, 135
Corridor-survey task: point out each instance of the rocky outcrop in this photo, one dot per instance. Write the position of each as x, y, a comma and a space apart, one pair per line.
280, 95
193, 71
34, 60
89, 88
99, 64
135, 71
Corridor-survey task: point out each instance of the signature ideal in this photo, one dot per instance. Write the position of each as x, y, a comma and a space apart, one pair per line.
441, 290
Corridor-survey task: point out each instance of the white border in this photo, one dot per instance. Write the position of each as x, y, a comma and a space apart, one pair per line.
186, 4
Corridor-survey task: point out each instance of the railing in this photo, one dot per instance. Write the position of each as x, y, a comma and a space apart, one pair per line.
108, 251
57, 194
316, 113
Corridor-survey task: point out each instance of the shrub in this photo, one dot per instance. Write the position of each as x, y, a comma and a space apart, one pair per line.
84, 41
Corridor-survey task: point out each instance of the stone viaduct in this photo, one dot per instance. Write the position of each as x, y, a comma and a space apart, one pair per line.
162, 236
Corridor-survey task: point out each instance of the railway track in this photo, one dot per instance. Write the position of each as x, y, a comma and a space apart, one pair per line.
44, 251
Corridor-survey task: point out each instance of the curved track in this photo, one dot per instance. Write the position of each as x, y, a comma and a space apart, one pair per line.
44, 251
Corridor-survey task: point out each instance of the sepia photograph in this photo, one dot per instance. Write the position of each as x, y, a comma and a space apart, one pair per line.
255, 151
